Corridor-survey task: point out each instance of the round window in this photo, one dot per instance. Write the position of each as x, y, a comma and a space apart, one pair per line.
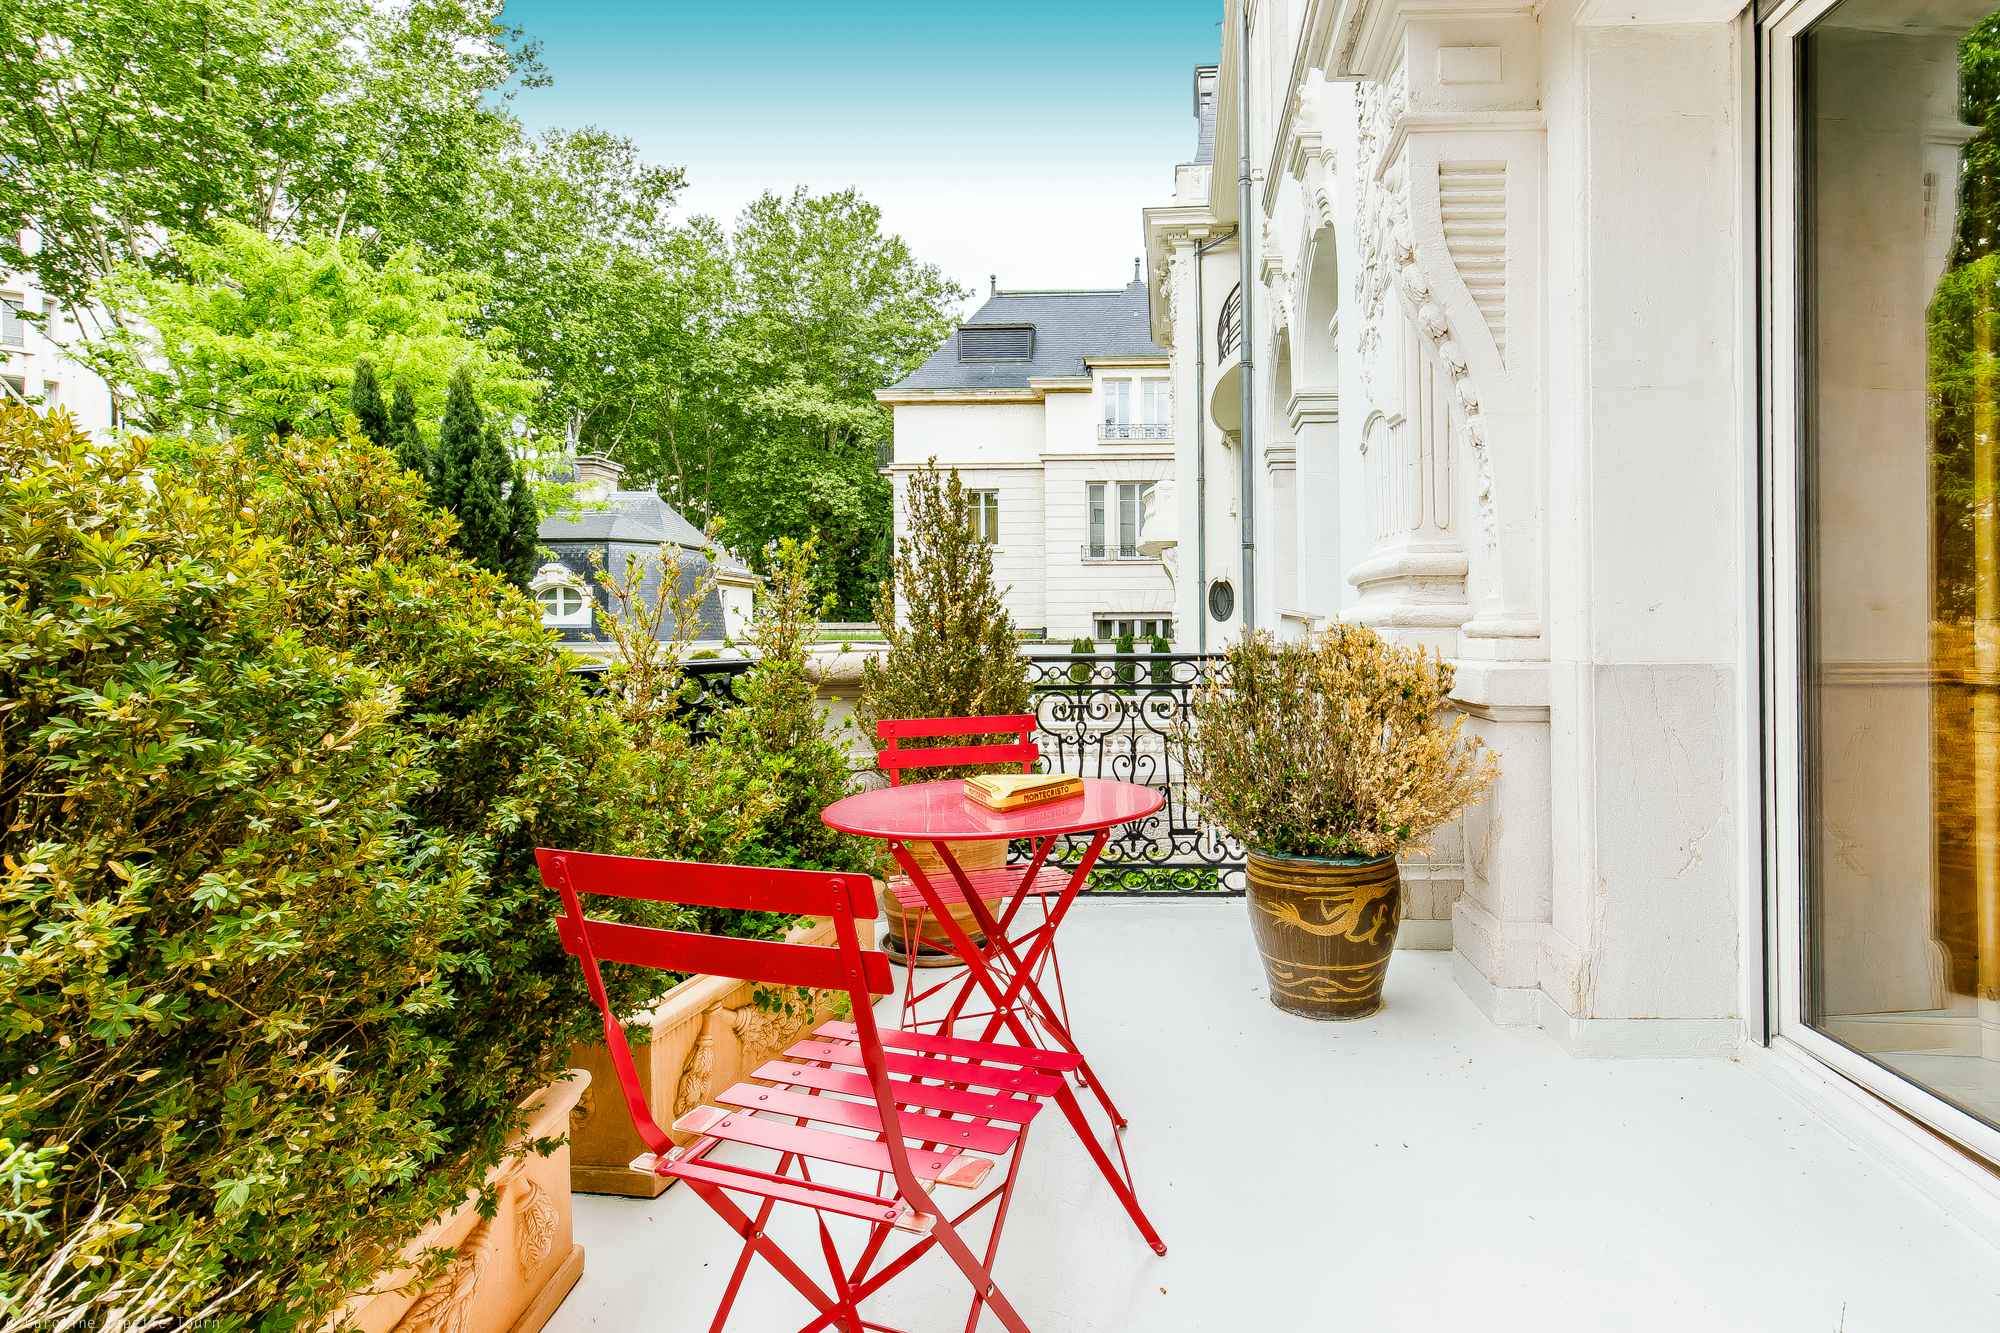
560, 601
1221, 600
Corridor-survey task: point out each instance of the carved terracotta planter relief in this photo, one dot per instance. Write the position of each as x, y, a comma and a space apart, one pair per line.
511, 1270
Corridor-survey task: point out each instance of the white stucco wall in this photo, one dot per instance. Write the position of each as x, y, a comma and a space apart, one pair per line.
1040, 449
38, 365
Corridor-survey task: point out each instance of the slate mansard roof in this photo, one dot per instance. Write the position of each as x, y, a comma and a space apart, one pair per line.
1068, 326
633, 516
615, 525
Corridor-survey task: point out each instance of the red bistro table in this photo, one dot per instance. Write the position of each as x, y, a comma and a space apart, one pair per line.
1005, 969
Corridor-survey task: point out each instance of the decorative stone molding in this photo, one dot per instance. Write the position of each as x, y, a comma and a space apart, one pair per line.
1472, 205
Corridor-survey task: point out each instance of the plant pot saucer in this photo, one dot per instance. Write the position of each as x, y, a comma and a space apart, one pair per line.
928, 955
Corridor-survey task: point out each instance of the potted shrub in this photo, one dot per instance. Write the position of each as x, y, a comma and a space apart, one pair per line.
708, 1032
1327, 757
951, 653
1163, 672
1079, 672
1127, 671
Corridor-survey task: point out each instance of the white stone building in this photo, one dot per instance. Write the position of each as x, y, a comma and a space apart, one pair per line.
1637, 357
1055, 408
34, 367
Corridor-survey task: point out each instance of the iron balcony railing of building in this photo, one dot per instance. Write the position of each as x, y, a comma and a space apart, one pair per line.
1229, 327
1119, 715
1098, 715
1113, 551
1135, 430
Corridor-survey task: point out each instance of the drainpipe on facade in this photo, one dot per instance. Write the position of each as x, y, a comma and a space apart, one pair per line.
1244, 232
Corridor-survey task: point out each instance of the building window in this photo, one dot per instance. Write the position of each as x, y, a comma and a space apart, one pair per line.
1155, 409
1115, 509
11, 323
561, 595
560, 602
1117, 403
1143, 629
985, 507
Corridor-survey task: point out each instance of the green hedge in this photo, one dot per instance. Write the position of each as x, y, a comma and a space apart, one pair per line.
277, 964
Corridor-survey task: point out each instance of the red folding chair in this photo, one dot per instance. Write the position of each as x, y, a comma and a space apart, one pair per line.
847, 1103
1039, 881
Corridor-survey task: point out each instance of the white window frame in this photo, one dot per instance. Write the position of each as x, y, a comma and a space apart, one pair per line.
1780, 719
984, 504
555, 576
1156, 402
1104, 519
13, 319
1117, 395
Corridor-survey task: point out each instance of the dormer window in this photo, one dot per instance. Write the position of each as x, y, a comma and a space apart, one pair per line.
996, 342
560, 602
559, 592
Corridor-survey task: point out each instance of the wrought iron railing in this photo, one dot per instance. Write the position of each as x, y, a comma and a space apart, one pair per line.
1229, 328
1099, 715
1135, 430
1117, 715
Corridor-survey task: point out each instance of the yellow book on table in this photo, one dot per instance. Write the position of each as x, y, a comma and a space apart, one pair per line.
1011, 791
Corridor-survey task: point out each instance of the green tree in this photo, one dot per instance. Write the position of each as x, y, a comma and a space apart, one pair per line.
952, 651
133, 123
781, 726
476, 478
262, 337
406, 438
371, 414
769, 419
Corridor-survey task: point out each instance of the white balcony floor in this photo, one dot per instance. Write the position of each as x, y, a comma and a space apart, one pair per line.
1421, 1169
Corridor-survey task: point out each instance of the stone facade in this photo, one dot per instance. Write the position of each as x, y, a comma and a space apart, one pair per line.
1498, 407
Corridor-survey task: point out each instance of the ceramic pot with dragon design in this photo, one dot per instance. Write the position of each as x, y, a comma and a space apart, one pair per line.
1325, 927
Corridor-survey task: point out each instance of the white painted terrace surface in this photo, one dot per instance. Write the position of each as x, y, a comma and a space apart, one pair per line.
1421, 1169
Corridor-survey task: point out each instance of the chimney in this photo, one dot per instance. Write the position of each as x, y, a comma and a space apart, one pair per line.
1135, 271
993, 284
597, 477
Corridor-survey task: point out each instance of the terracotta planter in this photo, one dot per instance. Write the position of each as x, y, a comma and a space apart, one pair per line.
1325, 928
934, 943
704, 1035
511, 1270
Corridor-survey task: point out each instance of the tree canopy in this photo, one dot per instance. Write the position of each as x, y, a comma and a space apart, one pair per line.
240, 200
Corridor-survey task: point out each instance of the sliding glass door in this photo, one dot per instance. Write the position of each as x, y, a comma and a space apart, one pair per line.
1882, 128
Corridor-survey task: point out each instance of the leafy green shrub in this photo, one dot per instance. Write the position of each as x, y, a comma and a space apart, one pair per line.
1127, 671
278, 965
1079, 672
1162, 672
779, 724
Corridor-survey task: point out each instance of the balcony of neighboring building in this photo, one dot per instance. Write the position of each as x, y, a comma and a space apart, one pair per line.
1225, 397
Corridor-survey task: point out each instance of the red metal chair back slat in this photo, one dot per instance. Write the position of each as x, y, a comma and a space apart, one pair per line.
862, 973
893, 758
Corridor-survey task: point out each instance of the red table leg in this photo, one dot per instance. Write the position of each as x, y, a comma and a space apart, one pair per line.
1004, 1002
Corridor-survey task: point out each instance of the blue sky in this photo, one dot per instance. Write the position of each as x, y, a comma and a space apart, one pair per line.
1015, 138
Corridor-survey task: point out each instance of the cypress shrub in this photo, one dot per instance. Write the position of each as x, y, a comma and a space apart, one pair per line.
1079, 672
371, 414
952, 651
1127, 671
1163, 672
